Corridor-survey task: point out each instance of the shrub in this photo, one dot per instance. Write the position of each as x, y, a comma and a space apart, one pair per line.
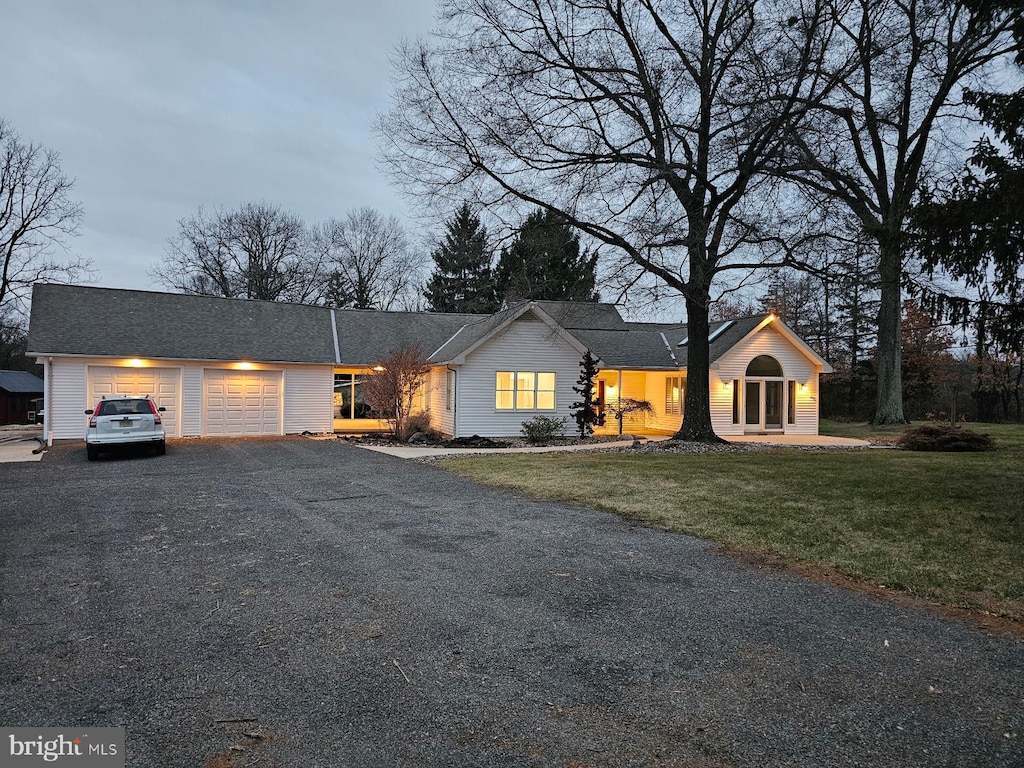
420, 422
943, 437
542, 429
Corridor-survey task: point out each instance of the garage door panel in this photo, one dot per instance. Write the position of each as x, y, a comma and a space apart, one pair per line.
162, 384
242, 402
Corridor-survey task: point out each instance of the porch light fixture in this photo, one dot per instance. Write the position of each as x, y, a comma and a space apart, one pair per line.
136, 363
378, 368
245, 366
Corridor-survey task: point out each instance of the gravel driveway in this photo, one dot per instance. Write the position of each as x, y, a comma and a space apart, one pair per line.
290, 602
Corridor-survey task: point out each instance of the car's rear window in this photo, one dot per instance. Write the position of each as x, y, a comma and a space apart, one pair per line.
118, 407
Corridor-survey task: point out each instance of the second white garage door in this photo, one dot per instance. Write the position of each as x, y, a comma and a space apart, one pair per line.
241, 402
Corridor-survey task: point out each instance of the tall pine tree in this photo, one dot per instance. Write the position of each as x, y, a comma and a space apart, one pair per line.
545, 263
462, 279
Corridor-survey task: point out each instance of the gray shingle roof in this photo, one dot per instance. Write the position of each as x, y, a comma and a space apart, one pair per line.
20, 382
365, 337
105, 322
81, 320
572, 314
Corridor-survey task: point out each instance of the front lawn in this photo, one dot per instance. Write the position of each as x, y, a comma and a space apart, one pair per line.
945, 527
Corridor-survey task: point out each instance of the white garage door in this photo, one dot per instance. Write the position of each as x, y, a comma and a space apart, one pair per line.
162, 384
242, 402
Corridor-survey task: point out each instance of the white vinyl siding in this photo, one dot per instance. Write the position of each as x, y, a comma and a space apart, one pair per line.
441, 383
526, 345
658, 384
795, 365
66, 400
308, 399
240, 402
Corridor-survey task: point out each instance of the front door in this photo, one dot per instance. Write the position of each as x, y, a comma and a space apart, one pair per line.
773, 405
763, 405
752, 400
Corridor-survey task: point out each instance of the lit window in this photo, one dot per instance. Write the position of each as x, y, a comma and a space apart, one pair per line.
675, 392
524, 391
504, 396
545, 391
526, 386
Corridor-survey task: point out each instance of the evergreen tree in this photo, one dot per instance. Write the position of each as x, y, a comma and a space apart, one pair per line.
545, 263
585, 409
462, 279
972, 228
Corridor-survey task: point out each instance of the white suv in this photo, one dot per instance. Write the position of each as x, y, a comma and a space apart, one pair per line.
124, 421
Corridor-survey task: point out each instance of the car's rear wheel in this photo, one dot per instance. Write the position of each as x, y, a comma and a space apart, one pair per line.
161, 448
92, 452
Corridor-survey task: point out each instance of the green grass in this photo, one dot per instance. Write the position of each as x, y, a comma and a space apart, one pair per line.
946, 527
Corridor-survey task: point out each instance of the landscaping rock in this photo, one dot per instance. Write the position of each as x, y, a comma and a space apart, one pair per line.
475, 441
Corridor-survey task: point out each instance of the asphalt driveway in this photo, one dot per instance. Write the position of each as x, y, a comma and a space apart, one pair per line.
300, 603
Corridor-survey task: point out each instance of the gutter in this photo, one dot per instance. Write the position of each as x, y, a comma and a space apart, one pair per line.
334, 331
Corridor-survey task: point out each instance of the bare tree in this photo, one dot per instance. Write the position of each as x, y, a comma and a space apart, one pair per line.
256, 252
876, 136
36, 218
393, 388
368, 261
647, 125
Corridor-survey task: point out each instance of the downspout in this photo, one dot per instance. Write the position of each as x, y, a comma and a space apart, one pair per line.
47, 400
337, 361
455, 401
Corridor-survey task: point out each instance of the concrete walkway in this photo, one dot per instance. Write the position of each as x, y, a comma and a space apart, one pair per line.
423, 451
19, 443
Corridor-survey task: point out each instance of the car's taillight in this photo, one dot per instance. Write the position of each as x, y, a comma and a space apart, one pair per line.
156, 413
95, 413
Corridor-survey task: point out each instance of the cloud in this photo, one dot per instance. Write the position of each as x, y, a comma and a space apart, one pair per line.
159, 107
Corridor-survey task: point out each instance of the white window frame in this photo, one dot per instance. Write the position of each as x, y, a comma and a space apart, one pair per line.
530, 395
675, 405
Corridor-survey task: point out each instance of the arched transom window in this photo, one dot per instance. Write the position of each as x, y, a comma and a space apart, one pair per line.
764, 365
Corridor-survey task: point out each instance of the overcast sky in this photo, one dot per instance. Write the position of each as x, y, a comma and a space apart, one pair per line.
159, 106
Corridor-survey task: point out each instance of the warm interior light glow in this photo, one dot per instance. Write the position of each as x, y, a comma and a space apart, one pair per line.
136, 363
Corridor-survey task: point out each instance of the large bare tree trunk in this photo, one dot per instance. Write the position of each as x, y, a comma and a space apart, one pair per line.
889, 402
697, 406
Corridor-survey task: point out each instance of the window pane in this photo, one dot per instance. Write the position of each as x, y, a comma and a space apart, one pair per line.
524, 380
752, 399
504, 380
545, 400
792, 402
343, 395
360, 409
546, 381
503, 400
524, 399
764, 365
